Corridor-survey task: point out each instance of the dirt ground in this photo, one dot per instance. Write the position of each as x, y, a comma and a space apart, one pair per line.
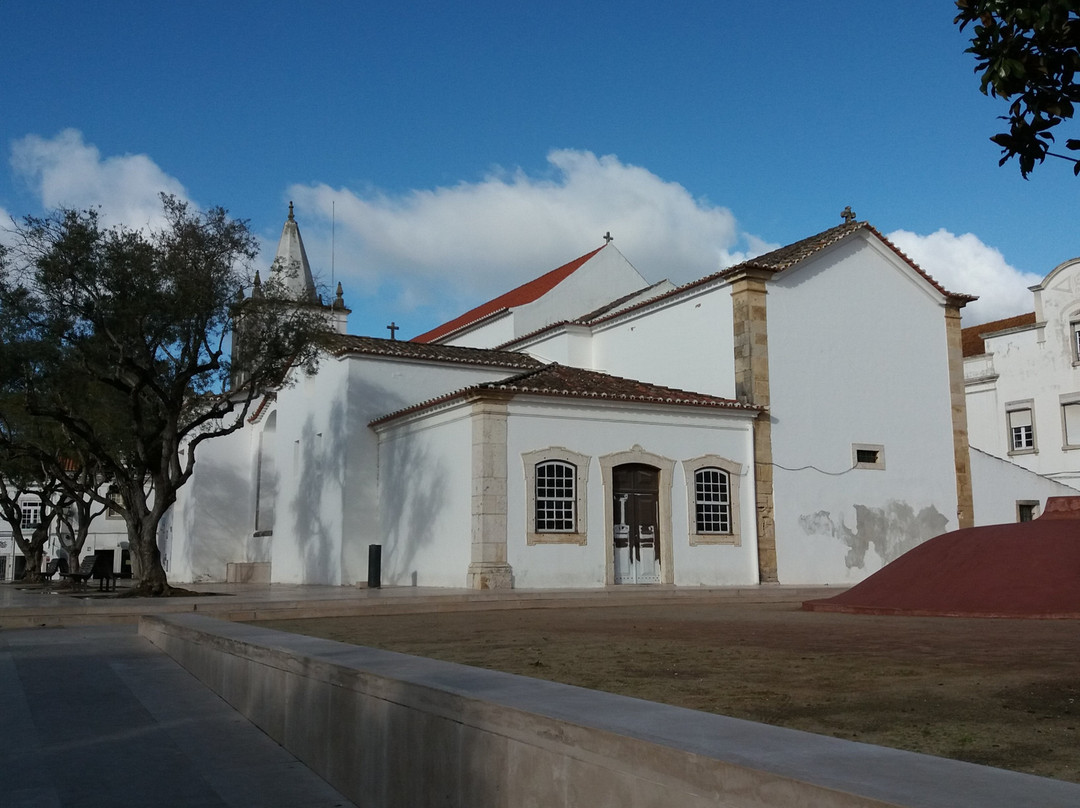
1003, 693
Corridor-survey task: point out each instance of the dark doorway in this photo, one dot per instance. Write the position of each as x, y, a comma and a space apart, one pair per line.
636, 511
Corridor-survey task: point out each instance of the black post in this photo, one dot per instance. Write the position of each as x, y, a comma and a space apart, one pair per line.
374, 566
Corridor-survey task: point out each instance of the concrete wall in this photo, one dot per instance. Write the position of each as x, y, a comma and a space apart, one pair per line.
388, 729
857, 355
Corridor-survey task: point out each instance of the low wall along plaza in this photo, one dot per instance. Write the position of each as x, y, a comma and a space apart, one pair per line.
389, 729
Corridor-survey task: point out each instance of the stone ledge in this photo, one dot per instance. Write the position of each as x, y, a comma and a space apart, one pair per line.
402, 730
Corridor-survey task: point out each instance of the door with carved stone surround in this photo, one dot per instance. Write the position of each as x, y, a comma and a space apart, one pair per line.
635, 533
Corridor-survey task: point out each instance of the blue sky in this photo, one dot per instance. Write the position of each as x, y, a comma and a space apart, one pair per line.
463, 148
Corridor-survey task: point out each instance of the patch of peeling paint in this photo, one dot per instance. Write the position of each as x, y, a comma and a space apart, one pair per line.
891, 530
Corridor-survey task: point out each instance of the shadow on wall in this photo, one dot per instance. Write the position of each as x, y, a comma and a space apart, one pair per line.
413, 492
216, 522
891, 530
320, 478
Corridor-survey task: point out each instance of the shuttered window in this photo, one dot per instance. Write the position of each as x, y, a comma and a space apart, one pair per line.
1021, 430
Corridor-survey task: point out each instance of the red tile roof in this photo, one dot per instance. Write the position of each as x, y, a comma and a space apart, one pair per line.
526, 293
971, 338
562, 381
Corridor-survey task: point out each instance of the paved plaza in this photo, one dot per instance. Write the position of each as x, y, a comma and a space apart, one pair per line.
95, 715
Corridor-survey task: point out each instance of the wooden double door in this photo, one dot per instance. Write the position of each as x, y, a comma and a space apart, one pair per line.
635, 532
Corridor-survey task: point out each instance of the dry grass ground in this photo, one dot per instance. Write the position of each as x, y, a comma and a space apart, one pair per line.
1004, 693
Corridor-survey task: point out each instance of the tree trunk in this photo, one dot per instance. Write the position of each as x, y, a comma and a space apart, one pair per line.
33, 553
146, 558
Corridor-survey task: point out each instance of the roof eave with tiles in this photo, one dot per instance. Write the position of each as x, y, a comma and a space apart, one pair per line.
346, 345
561, 381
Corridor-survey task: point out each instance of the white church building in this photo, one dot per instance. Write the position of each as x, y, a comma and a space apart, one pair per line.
798, 418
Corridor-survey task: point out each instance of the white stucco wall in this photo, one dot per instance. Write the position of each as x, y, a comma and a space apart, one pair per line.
426, 485
488, 334
570, 345
686, 343
425, 496
325, 456
605, 277
311, 446
999, 486
857, 355
674, 433
210, 523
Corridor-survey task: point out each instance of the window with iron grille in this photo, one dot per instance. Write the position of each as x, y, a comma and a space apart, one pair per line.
555, 497
712, 501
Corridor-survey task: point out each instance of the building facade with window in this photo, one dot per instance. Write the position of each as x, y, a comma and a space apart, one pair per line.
589, 429
1022, 381
108, 534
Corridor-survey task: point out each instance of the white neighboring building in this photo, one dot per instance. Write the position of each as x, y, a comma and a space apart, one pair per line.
108, 533
796, 418
1022, 381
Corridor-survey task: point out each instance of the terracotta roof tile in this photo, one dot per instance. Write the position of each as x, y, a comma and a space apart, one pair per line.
526, 293
345, 344
971, 338
562, 381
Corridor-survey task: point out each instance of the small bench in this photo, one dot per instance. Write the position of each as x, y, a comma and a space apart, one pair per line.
80, 577
96, 567
55, 566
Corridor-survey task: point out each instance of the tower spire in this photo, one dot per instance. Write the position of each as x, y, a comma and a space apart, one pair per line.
291, 271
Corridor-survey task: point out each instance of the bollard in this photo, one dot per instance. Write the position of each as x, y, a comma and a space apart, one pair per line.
374, 566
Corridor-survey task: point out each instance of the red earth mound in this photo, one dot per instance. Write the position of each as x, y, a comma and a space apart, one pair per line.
1030, 569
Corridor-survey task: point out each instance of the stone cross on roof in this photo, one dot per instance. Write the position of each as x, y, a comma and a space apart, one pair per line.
848, 215
608, 238
393, 329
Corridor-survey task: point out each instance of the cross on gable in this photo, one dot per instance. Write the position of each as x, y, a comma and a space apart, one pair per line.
608, 238
848, 215
393, 328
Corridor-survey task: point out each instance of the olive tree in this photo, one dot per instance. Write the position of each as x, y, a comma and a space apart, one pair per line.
120, 338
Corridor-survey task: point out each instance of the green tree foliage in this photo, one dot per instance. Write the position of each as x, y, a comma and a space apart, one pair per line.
120, 339
1027, 53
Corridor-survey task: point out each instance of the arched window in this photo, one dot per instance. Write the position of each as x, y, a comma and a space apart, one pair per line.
712, 501
556, 481
556, 497
713, 492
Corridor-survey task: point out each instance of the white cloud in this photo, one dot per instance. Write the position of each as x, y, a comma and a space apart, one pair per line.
471, 241
965, 264
64, 171
6, 225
